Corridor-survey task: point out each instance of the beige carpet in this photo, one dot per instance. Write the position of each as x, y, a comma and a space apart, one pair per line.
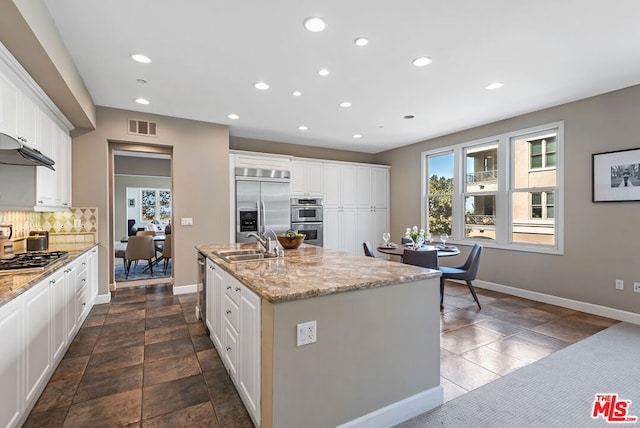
557, 391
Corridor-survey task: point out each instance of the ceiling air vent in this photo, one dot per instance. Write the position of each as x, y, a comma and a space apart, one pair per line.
143, 127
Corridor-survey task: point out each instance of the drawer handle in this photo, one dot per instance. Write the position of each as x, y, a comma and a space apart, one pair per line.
228, 287
228, 312
228, 348
237, 289
84, 280
52, 281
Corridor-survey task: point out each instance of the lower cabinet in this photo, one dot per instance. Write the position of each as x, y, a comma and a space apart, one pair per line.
235, 331
36, 329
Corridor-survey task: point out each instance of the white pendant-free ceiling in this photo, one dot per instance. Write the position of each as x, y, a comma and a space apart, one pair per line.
206, 57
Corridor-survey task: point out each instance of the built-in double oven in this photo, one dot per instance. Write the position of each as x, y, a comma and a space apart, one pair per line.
306, 218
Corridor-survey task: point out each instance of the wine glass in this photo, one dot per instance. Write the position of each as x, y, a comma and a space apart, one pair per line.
386, 236
419, 241
444, 238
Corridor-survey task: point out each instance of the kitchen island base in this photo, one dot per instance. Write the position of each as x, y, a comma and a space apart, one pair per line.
376, 361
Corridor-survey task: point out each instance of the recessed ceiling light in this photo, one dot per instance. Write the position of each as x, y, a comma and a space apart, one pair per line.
233, 116
361, 41
408, 116
296, 93
262, 86
380, 126
302, 128
356, 136
494, 85
141, 58
315, 24
422, 61
323, 72
142, 101
345, 104
141, 81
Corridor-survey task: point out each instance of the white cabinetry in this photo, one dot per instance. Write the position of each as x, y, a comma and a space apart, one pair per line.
340, 186
11, 362
36, 329
307, 178
235, 331
37, 349
340, 230
26, 115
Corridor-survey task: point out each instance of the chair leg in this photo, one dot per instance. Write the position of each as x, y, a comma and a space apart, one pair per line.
128, 268
151, 266
473, 293
441, 293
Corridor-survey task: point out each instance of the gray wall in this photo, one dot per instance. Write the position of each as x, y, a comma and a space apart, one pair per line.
600, 238
200, 182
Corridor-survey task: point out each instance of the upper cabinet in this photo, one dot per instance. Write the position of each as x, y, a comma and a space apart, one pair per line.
340, 185
373, 187
307, 178
27, 115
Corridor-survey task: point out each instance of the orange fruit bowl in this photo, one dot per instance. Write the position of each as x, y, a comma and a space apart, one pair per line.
291, 243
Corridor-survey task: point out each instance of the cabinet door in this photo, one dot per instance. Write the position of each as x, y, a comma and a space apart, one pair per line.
59, 313
63, 169
379, 224
46, 184
9, 98
250, 346
332, 186
348, 184
11, 332
380, 187
364, 185
230, 352
29, 122
38, 345
349, 228
365, 228
70, 274
331, 229
218, 320
315, 178
92, 274
298, 178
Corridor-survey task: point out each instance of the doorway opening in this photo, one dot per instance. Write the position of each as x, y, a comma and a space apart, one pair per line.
141, 206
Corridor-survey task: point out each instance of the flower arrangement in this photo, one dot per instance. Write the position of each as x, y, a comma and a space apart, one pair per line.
415, 234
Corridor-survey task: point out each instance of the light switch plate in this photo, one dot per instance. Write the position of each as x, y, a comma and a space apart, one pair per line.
186, 221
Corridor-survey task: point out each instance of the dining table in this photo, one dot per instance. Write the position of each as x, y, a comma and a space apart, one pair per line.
398, 249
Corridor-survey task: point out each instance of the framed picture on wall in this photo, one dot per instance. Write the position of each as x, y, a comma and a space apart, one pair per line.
616, 176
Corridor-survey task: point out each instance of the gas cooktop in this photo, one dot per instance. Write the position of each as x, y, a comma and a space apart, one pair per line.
32, 260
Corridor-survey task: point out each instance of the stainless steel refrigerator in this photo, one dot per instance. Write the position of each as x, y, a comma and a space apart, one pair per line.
262, 202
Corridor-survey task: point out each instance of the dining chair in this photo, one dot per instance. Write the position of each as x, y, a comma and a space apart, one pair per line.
427, 258
368, 249
467, 272
406, 240
119, 253
159, 245
140, 248
166, 253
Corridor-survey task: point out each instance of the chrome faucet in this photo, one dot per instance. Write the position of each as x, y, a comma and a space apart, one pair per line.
265, 243
278, 249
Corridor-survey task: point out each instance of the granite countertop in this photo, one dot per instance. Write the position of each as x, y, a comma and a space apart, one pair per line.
312, 271
13, 284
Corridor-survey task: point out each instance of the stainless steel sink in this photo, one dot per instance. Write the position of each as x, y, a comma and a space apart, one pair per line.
236, 256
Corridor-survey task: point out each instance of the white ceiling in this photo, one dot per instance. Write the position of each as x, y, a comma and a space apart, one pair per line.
207, 54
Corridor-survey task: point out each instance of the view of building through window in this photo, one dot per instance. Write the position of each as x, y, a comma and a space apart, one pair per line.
467, 208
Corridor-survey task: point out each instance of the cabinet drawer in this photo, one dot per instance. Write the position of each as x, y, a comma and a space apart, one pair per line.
232, 289
231, 312
230, 349
81, 280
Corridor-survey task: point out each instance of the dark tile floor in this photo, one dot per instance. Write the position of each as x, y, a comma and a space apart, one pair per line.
478, 346
145, 361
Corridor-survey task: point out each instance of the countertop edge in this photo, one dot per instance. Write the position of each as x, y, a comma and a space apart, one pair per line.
33, 278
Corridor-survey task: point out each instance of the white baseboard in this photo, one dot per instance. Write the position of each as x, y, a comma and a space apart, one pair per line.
577, 305
102, 298
184, 289
399, 411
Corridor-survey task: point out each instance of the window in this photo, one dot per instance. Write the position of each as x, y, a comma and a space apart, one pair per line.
503, 191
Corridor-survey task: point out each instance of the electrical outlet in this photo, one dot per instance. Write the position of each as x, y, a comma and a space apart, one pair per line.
77, 222
307, 333
636, 287
619, 284
186, 221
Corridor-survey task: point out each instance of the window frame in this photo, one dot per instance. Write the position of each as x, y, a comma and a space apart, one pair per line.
505, 164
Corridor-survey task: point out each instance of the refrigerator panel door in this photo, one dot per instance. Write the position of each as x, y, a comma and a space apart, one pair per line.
277, 206
247, 197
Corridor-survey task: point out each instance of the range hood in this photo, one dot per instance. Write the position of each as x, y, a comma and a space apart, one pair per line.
14, 152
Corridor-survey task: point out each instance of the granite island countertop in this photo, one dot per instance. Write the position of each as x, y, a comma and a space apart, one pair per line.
312, 271
13, 284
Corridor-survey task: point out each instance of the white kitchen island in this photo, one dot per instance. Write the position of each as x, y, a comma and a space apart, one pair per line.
376, 361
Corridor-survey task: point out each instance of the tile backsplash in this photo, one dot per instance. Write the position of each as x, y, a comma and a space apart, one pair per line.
77, 220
